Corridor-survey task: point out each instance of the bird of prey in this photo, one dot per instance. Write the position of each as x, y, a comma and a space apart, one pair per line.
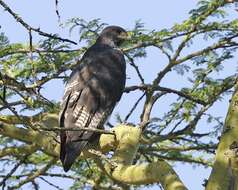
91, 93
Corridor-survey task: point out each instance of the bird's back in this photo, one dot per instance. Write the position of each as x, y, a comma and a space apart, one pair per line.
91, 93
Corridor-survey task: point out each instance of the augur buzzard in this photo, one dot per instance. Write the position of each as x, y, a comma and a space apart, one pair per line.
91, 93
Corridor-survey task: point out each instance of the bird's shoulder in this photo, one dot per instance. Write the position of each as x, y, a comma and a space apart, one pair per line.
101, 50
99, 60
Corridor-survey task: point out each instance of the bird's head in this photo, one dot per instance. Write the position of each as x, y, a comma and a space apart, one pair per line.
113, 36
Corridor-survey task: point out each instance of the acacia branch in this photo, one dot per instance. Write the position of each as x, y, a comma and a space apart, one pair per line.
132, 63
29, 28
41, 139
160, 171
224, 173
134, 107
123, 156
146, 87
16, 151
221, 44
100, 131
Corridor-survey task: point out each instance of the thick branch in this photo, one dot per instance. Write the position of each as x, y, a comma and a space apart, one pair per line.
157, 172
16, 151
224, 174
41, 139
154, 172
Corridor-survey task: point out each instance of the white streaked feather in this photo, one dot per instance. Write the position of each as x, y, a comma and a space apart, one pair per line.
82, 118
77, 111
74, 97
70, 86
96, 120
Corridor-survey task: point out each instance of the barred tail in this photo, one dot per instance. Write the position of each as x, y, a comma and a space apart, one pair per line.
70, 152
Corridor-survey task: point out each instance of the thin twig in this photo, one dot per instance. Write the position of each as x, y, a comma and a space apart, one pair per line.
28, 27
35, 175
51, 184
57, 9
132, 63
146, 87
3, 182
134, 107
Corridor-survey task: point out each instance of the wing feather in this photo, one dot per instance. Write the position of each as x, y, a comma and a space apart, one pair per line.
90, 96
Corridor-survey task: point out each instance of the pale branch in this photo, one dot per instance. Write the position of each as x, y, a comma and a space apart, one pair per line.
181, 159
41, 139
16, 151
128, 137
39, 117
100, 131
29, 28
160, 172
225, 166
182, 148
149, 103
155, 172
60, 175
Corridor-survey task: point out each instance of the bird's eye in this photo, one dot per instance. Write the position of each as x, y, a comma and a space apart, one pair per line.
118, 31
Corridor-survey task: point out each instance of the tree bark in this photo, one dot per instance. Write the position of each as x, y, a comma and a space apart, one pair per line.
224, 175
120, 167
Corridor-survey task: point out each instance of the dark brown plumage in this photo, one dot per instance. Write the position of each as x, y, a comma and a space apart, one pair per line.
91, 93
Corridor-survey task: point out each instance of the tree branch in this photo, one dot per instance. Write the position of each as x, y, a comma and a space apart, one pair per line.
29, 28
225, 166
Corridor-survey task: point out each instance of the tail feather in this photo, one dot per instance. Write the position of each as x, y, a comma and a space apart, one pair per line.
71, 151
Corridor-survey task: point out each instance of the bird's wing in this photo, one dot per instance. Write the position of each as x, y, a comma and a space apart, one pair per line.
88, 101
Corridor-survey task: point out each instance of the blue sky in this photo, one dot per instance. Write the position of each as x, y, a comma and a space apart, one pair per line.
155, 14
